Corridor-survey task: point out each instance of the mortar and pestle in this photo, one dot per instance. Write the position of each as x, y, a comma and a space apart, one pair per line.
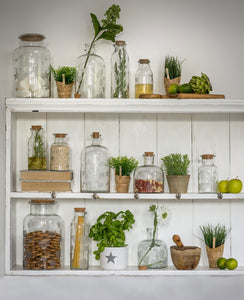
184, 257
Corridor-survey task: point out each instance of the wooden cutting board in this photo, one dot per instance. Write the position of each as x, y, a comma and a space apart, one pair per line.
195, 96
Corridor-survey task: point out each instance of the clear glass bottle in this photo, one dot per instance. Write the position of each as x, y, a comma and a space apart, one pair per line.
79, 240
37, 159
59, 153
95, 171
31, 67
148, 178
120, 71
207, 175
43, 234
143, 78
90, 79
153, 254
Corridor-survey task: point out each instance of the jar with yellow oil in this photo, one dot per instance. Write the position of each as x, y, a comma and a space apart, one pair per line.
143, 78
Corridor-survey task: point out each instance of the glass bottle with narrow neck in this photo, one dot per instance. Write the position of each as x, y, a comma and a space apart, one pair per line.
120, 71
207, 175
95, 171
143, 78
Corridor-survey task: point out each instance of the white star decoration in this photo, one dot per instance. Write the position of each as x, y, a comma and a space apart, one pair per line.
110, 258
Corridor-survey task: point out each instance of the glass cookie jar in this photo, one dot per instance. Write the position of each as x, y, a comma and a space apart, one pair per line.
148, 178
207, 175
43, 237
59, 153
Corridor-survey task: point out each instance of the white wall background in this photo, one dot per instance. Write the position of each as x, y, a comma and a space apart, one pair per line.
207, 34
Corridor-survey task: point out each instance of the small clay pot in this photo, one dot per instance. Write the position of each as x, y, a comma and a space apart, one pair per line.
122, 183
178, 184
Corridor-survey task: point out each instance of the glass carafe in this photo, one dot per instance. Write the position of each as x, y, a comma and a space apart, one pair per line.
59, 153
143, 78
31, 67
120, 71
90, 80
207, 175
79, 242
95, 171
37, 159
43, 237
148, 178
152, 252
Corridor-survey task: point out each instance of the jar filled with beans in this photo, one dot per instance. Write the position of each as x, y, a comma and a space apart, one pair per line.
43, 237
60, 152
148, 178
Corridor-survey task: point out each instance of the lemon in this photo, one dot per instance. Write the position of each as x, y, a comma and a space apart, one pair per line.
231, 264
173, 89
221, 263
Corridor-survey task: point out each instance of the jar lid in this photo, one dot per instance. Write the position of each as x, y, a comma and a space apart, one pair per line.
60, 135
36, 127
150, 154
95, 135
120, 43
144, 61
42, 201
79, 209
207, 156
31, 37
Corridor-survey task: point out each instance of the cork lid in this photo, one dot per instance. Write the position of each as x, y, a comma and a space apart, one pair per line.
120, 43
31, 37
207, 156
150, 154
36, 127
144, 61
79, 209
95, 135
60, 135
42, 201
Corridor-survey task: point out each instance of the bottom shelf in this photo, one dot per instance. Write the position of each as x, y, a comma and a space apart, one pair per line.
130, 271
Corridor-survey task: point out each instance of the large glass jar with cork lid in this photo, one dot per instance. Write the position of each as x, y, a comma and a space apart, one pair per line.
95, 173
43, 234
207, 175
148, 178
59, 153
143, 78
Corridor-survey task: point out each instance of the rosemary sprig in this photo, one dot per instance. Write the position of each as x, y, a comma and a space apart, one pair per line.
121, 90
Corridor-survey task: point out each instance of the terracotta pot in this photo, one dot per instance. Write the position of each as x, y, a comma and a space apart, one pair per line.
168, 82
178, 184
122, 183
214, 254
64, 90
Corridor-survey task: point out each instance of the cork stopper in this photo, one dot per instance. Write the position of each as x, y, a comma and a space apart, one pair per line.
120, 43
79, 209
31, 37
95, 135
207, 156
42, 201
142, 267
60, 135
36, 127
144, 61
150, 154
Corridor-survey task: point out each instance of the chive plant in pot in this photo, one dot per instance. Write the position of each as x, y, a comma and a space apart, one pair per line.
176, 165
214, 238
109, 233
172, 71
123, 167
65, 78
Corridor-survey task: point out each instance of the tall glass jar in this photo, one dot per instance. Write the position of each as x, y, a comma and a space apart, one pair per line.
43, 237
37, 159
207, 175
90, 80
152, 252
148, 178
79, 242
95, 171
59, 153
120, 71
143, 78
31, 67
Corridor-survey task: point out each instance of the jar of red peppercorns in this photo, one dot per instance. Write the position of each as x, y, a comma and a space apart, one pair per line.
148, 178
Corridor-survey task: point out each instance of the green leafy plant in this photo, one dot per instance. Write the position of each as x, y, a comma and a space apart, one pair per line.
122, 88
39, 148
126, 164
176, 164
106, 30
174, 66
220, 232
109, 230
68, 72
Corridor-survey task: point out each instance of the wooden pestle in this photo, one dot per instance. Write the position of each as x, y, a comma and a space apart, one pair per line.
177, 241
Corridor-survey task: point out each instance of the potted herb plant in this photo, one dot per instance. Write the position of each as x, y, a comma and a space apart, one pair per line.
65, 78
172, 71
214, 238
109, 233
176, 165
123, 166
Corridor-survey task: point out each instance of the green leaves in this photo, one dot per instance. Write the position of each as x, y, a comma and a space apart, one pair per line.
127, 164
220, 233
176, 164
69, 72
96, 24
174, 65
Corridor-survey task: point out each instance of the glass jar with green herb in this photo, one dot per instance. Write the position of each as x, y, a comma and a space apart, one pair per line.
37, 159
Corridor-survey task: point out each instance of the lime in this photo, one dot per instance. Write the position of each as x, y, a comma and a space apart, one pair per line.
173, 89
185, 88
221, 262
231, 264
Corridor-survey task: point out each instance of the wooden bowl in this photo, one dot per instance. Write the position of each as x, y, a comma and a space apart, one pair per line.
185, 258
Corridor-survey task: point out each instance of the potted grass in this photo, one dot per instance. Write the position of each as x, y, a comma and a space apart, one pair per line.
176, 166
172, 71
123, 167
214, 238
65, 78
109, 233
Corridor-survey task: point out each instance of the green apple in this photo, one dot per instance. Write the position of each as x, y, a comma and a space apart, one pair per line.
223, 186
234, 186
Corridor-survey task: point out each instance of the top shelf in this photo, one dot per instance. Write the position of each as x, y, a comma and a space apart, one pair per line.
125, 105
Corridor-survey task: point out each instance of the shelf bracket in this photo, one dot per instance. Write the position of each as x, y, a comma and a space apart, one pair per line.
220, 196
95, 196
136, 196
178, 196
53, 195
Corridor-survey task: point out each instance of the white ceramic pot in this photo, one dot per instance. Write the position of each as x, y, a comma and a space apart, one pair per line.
114, 258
